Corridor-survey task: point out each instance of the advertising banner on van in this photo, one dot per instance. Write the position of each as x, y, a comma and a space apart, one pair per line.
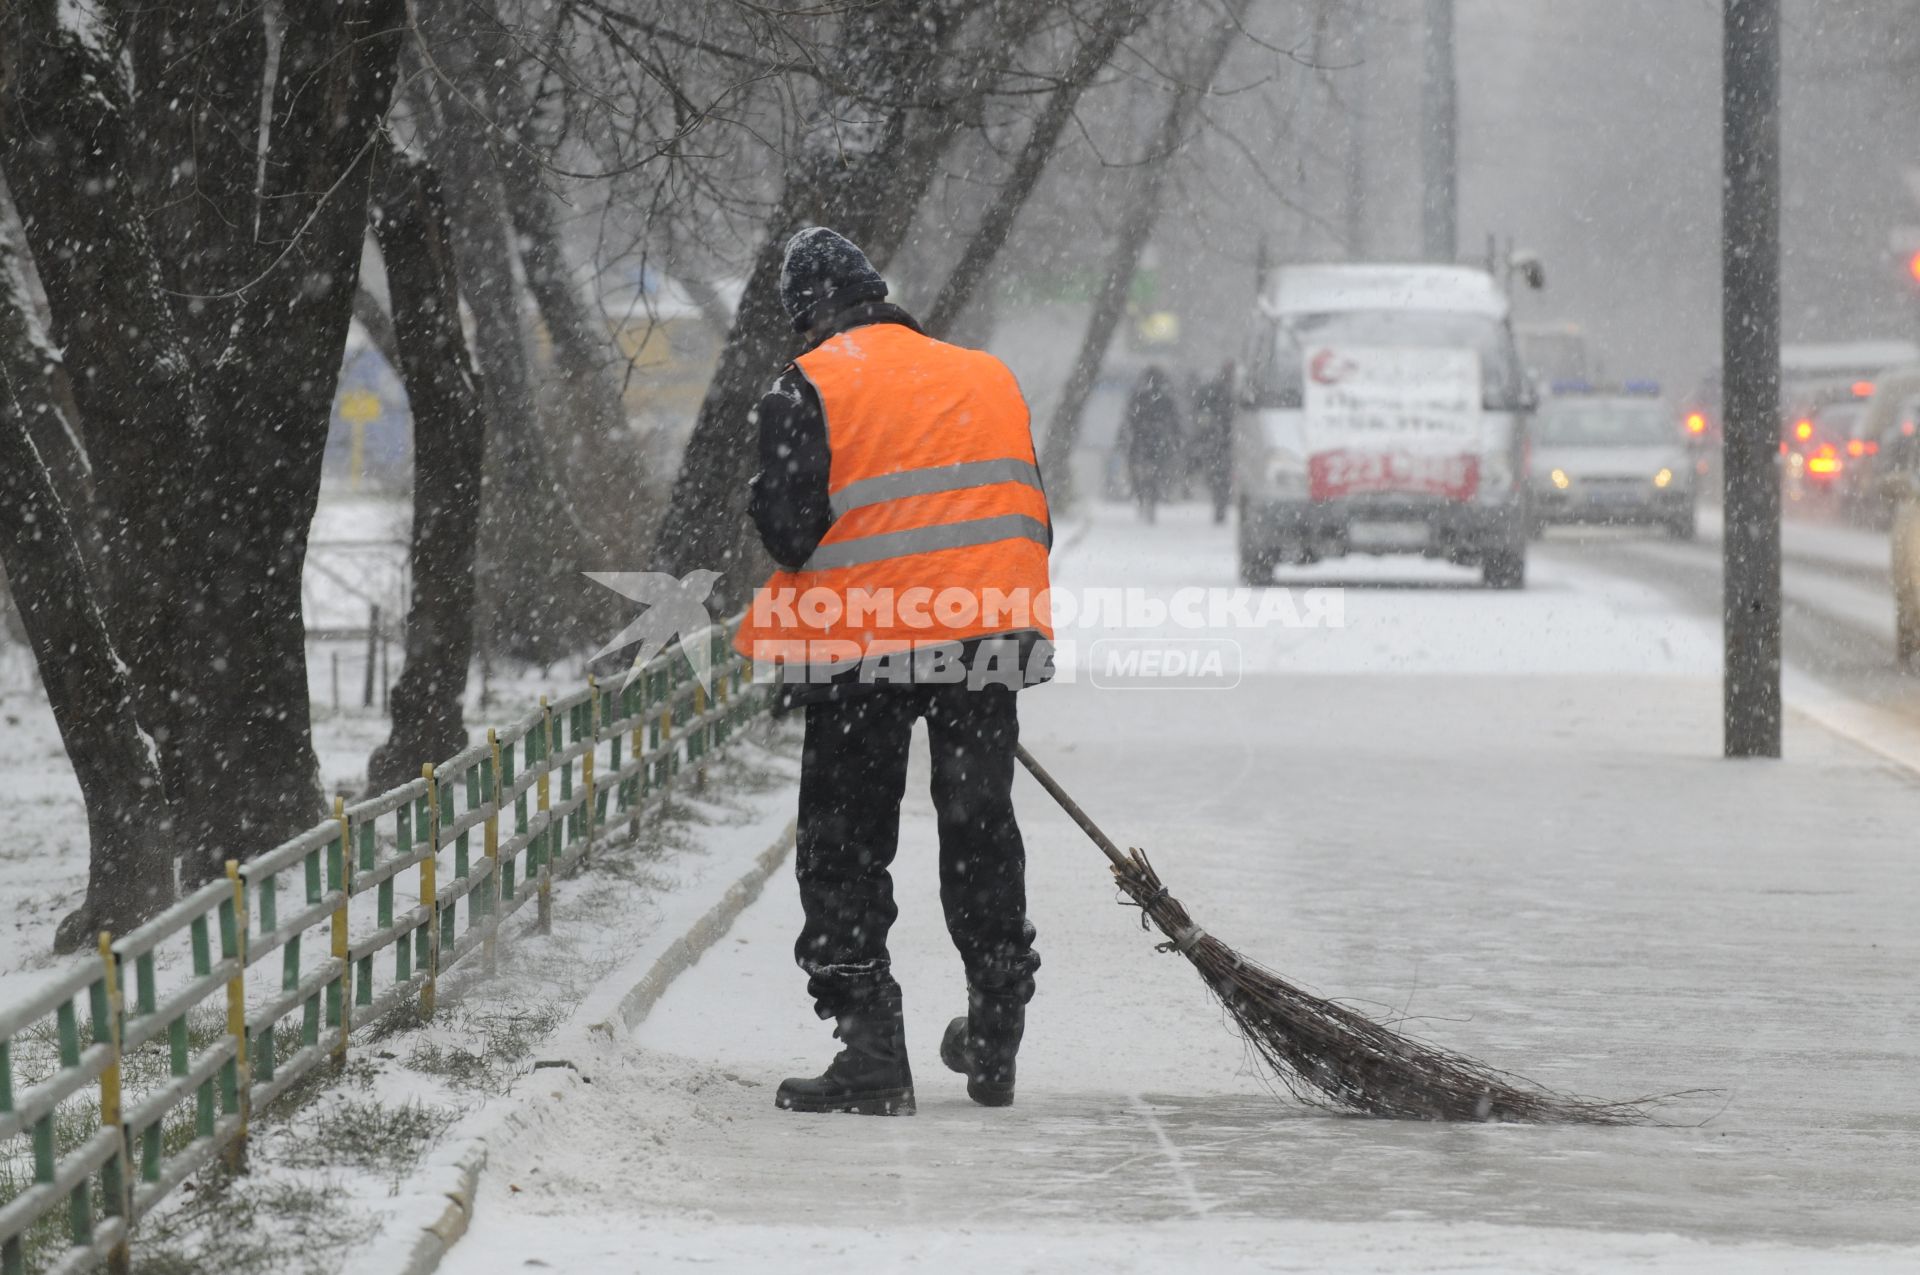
1392, 419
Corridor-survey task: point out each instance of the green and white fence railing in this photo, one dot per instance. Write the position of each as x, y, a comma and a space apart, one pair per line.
133, 1071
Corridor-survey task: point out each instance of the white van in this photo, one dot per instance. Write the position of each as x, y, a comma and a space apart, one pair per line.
1383, 410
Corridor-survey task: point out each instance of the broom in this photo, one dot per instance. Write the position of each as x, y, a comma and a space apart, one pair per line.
1323, 1052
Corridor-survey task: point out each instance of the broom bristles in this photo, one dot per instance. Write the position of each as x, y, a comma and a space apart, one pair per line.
1328, 1054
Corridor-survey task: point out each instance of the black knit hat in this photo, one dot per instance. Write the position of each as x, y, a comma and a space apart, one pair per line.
821, 266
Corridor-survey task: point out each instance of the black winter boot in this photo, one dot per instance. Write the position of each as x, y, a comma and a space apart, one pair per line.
982, 1045
870, 1077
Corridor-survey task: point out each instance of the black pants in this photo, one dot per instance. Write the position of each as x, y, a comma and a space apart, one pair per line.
853, 774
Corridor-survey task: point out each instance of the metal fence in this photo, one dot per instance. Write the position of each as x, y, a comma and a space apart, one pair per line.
249, 984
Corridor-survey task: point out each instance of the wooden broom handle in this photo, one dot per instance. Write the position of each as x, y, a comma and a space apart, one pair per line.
1072, 807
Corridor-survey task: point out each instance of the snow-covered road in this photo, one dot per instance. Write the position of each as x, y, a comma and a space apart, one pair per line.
1501, 814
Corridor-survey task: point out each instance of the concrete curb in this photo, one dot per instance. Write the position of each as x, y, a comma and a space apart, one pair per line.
684, 951
1889, 738
445, 1231
627, 1010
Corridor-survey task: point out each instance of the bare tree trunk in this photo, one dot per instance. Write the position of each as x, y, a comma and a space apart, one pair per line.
449, 449
129, 827
701, 528
590, 398
581, 344
199, 77
51, 415
532, 540
868, 194
1110, 302
976, 261
66, 150
234, 290
256, 764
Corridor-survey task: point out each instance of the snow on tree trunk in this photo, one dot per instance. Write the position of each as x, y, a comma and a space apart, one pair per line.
130, 834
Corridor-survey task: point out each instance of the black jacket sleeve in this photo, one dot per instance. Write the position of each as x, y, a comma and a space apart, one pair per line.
789, 497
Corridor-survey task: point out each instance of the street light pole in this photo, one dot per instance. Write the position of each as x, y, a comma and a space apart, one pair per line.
1439, 231
1750, 336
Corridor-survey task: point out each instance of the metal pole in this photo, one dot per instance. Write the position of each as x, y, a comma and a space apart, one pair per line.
1440, 128
373, 653
1357, 101
1750, 335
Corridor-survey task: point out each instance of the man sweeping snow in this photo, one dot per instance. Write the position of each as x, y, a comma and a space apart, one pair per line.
898, 490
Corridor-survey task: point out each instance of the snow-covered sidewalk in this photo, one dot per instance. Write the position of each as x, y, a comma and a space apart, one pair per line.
1550, 870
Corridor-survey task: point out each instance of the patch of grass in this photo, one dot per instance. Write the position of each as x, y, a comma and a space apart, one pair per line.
506, 1040
255, 1226
362, 1134
357, 1073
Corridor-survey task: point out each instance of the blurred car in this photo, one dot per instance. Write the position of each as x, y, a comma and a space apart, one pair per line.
1886, 439
1900, 484
1815, 447
1612, 458
1861, 497
1812, 372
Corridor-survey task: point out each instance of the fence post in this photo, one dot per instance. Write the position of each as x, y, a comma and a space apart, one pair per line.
633, 703
233, 947
547, 838
430, 892
666, 736
115, 1181
340, 874
586, 765
373, 654
701, 731
490, 945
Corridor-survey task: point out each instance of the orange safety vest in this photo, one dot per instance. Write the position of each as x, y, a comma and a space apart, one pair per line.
939, 524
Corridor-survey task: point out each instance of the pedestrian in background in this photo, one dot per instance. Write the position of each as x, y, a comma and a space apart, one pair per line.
1213, 437
1153, 439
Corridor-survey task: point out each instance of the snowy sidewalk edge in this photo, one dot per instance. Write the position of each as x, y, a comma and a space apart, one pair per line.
446, 1228
633, 990
1878, 732
645, 980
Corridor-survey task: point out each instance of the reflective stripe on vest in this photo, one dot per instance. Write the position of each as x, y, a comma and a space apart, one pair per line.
941, 535
923, 482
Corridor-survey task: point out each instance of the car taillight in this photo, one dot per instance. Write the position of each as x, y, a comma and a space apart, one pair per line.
1823, 464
